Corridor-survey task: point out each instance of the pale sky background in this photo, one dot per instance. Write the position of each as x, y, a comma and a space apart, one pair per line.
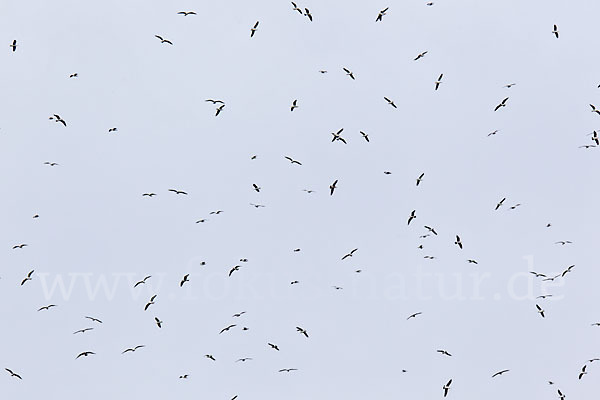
97, 235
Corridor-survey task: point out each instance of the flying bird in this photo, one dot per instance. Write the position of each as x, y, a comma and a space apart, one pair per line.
500, 203
49, 306
253, 30
14, 45
142, 281
273, 346
509, 85
82, 330
308, 14
500, 373
219, 109
215, 101
332, 187
502, 104
563, 242
232, 270
210, 356
84, 354
177, 191
132, 349
430, 229
73, 75
256, 187
444, 352
348, 72
52, 164
412, 216
291, 160
163, 40
561, 395
390, 102
227, 328
555, 31
94, 319
420, 55
294, 105
57, 118
296, 8
288, 369
150, 302
349, 254
13, 374
149, 194
381, 14
458, 242
28, 278
438, 82
420, 178
186, 13
302, 331
112, 130
540, 310
184, 280
470, 261
414, 315
336, 136
583, 372
567, 270
446, 387
364, 135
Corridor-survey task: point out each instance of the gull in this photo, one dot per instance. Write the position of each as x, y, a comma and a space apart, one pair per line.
132, 349
322, 71
201, 220
94, 319
430, 3
236, 268
112, 130
555, 31
561, 395
336, 136
551, 279
296, 250
509, 85
446, 387
82, 330
294, 105
583, 372
337, 287
288, 369
420, 178
253, 157
253, 30
52, 164
412, 216
184, 280
470, 261
420, 55
149, 194
387, 172
257, 205
348, 72
57, 118
332, 187
390, 102
216, 212
142, 281
273, 346
177, 191
594, 109
302, 331
596, 324
14, 45
239, 314
257, 188
73, 75
49, 306
227, 328
543, 296
430, 229
210, 356
28, 278
438, 82
500, 373
500, 203
458, 242
215, 101
540, 311
567, 270
296, 8
308, 191
163, 40
364, 135
85, 354
307, 14
184, 376
291, 160
595, 138
13, 374
150, 302
429, 257
243, 359
502, 104
186, 13
381, 14
294, 282
414, 315
349, 254
493, 133
594, 359
444, 352
563, 242
219, 109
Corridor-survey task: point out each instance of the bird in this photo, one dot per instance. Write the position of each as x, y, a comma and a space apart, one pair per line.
49, 306
52, 164
412, 216
420, 55
567, 270
337, 287
227, 328
414, 315
13, 374
132, 349
430, 229
349, 254
446, 387
364, 135
348, 72
296, 8
186, 13
596, 324
19, 246
73, 75
112, 130
177, 191
387, 172
237, 315
84, 354
332, 187
201, 220
236, 268
219, 109
158, 322
500, 203
420, 178
273, 346
555, 31
257, 205
294, 282
184, 376
336, 136
13, 45
561, 395
291, 160
540, 310
594, 109
438, 82
94, 319
458, 242
184, 280
444, 352
294, 105
563, 242
253, 30
493, 133
543, 296
215, 101
150, 302
163, 40
288, 369
390, 102
28, 278
142, 281
82, 330
308, 14
216, 212
57, 118
381, 14
583, 372
256, 187
595, 138
502, 104
508, 86
149, 194
243, 359
500, 373
210, 356
302, 331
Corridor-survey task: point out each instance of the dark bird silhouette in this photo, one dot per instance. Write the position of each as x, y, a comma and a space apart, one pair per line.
57, 118
273, 346
186, 13
430, 229
500, 373
349, 254
390, 102
150, 302
210, 356
94, 319
296, 8
561, 395
215, 101
381, 14
132, 349
302, 331
184, 280
502, 104
288, 369
149, 194
52, 164
184, 376
112, 130
256, 187
219, 109
567, 270
82, 330
177, 191
540, 310
458, 242
73, 75
414, 315
555, 31
294, 105
291, 160
163, 40
364, 135
142, 281
446, 387
227, 328
14, 45
308, 14
444, 352
420, 55
28, 278
243, 359
583, 372
332, 187
470, 261
438, 82
254, 28
420, 178
84, 354
348, 72
13, 374
412, 216
563, 242
49, 306
235, 268
19, 246
158, 322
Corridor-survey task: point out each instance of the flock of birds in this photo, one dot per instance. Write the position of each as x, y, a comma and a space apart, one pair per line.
445, 389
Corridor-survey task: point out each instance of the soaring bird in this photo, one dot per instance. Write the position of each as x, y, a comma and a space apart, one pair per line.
540, 310
227, 328
149, 194
567, 270
294, 105
583, 372
288, 369
256, 187
237, 315
94, 319
219, 109
210, 356
502, 104
215, 101
273, 346
438, 82
158, 322
381, 14
82, 330
332, 187
253, 30
444, 352
349, 254
184, 280
561, 395
302, 331
291, 160
150, 302
555, 31
471, 261
412, 216
186, 13
364, 135
52, 164
500, 203
390, 102
446, 387
595, 138
177, 191
296, 8
336, 136
14, 45
420, 178
420, 55
49, 306
75, 75
84, 354
563, 242
235, 268
163, 40
57, 118
348, 72
458, 242
13, 374
132, 349
28, 278
430, 229
594, 109
500, 373
308, 14
414, 315
142, 281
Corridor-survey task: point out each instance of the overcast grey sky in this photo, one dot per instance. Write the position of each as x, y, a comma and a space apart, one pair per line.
96, 235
